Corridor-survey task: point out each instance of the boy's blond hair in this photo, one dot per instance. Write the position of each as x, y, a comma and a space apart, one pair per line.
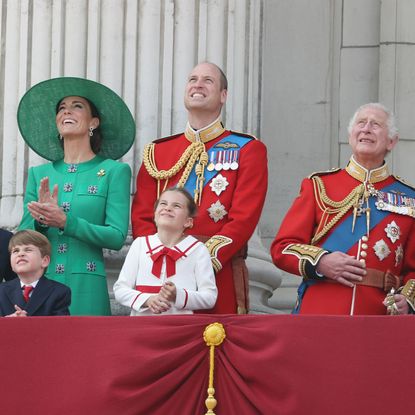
30, 237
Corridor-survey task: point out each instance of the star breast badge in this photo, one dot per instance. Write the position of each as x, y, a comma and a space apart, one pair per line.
393, 231
217, 211
218, 184
381, 249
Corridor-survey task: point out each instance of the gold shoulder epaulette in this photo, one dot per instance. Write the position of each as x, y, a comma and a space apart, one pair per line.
324, 172
244, 135
399, 179
170, 137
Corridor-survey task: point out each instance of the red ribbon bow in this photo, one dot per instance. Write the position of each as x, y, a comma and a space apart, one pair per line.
171, 256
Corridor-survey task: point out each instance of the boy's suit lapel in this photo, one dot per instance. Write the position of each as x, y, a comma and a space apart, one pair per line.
39, 295
15, 294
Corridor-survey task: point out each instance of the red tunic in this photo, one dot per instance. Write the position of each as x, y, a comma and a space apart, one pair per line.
390, 244
242, 199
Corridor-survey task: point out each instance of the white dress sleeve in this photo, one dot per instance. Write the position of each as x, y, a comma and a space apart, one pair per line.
204, 297
124, 288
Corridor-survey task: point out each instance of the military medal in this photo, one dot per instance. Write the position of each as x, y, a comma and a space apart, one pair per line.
393, 231
234, 164
398, 255
381, 249
227, 164
218, 184
395, 202
219, 165
217, 211
211, 165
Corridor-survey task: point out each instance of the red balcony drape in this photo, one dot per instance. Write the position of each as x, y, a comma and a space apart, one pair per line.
326, 365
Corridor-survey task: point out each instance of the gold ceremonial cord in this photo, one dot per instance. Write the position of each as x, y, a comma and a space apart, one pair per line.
188, 159
331, 207
214, 335
200, 170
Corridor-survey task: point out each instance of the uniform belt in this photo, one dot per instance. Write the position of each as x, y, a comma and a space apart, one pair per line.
380, 279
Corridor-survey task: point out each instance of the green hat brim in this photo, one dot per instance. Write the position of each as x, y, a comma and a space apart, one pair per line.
36, 116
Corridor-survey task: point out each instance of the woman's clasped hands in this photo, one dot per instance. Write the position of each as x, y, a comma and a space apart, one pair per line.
46, 210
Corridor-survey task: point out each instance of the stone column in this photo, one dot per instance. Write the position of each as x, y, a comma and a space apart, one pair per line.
264, 278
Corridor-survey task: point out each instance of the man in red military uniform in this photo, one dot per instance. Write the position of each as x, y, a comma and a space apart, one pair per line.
225, 171
351, 233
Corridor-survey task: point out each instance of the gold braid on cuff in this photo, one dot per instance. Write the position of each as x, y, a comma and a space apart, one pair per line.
214, 244
408, 291
305, 253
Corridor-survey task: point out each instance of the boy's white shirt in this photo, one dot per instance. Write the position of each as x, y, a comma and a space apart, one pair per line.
33, 284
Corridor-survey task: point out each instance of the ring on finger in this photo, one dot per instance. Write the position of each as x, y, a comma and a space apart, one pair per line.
41, 218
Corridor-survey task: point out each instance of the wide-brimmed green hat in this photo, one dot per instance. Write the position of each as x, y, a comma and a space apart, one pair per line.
37, 112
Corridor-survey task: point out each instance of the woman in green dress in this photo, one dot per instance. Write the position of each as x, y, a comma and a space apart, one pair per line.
81, 200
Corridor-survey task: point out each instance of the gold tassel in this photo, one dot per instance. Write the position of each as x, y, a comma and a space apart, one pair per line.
368, 220
200, 172
213, 335
367, 195
354, 218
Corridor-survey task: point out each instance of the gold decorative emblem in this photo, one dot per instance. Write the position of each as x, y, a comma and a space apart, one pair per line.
218, 184
217, 211
398, 255
214, 244
381, 249
302, 251
101, 173
227, 144
408, 291
393, 231
213, 335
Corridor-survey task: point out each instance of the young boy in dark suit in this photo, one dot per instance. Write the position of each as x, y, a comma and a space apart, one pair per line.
6, 272
32, 294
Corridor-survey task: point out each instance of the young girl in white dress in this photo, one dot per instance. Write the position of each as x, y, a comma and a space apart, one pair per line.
168, 272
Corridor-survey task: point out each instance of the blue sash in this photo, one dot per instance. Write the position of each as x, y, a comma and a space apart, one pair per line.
342, 239
232, 138
302, 288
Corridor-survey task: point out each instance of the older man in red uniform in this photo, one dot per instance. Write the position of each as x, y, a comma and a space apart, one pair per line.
351, 233
224, 170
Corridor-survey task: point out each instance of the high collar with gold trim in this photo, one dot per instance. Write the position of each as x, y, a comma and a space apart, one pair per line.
205, 134
364, 175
